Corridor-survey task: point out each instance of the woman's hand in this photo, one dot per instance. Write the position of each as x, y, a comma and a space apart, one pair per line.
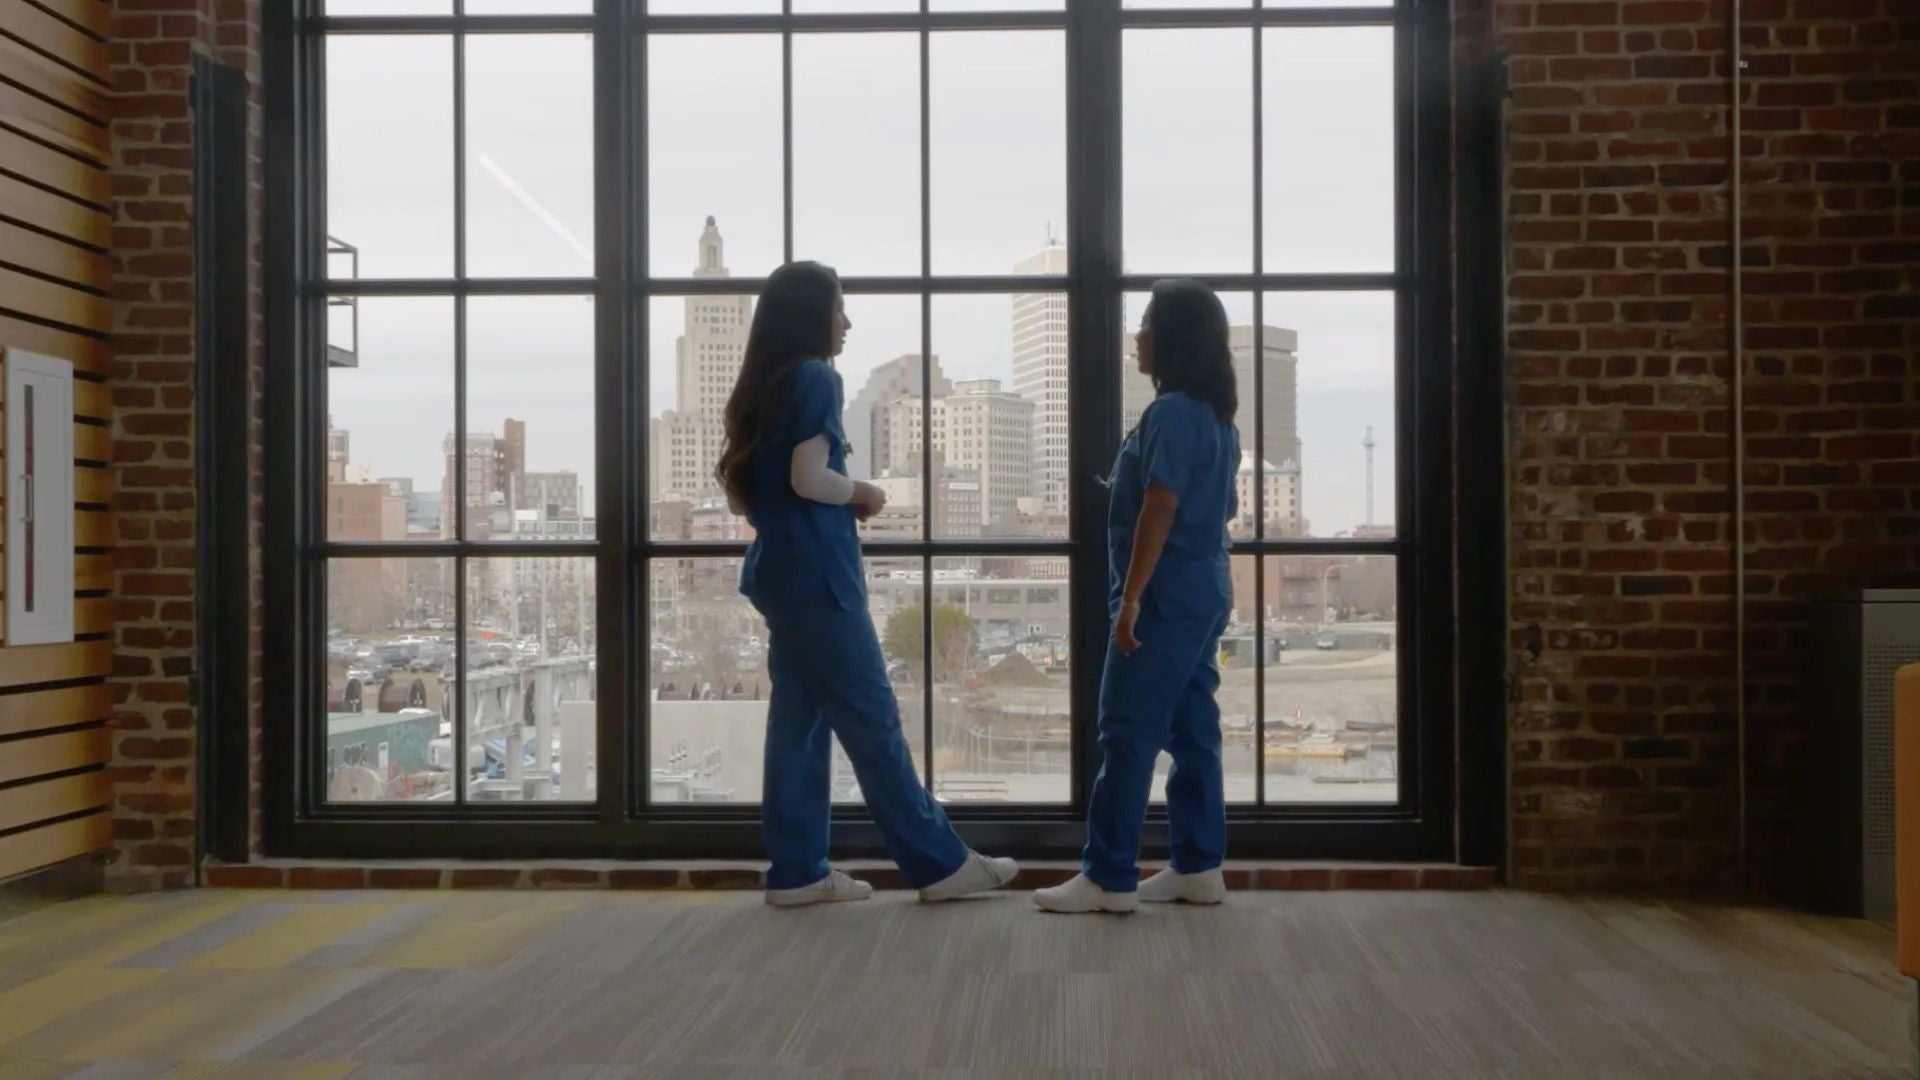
1123, 627
867, 500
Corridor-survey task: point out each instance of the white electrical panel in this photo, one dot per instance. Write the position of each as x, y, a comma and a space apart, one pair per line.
38, 413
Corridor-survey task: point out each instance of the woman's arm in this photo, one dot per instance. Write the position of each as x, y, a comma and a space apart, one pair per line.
1149, 540
813, 479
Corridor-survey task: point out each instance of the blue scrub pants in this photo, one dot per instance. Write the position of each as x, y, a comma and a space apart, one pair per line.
830, 679
1160, 698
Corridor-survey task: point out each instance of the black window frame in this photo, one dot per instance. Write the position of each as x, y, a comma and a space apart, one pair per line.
1431, 568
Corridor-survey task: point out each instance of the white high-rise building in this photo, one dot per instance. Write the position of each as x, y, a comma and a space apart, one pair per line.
980, 432
686, 439
1040, 374
868, 420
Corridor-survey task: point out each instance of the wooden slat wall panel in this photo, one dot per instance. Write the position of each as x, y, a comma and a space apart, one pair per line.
91, 355
88, 15
29, 665
30, 250
48, 799
92, 615
35, 848
91, 442
47, 212
92, 400
41, 164
25, 295
39, 755
57, 38
37, 74
92, 529
32, 115
55, 280
43, 709
91, 485
92, 573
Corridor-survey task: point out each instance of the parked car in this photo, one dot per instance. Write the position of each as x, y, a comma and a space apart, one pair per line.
1326, 642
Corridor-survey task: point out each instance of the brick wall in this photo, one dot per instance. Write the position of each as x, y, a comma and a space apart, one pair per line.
1623, 739
153, 45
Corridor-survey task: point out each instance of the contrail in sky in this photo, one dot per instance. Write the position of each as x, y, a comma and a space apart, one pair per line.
533, 206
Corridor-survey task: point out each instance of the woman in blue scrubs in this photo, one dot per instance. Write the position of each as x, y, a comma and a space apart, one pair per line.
784, 466
1171, 593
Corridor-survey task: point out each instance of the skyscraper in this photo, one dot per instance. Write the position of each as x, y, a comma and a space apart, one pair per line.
1040, 374
867, 418
686, 439
981, 435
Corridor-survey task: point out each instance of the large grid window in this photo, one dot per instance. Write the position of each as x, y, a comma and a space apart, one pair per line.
531, 233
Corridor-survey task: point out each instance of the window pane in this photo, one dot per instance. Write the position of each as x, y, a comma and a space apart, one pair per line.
998, 5
530, 680
1333, 685
389, 690
695, 348
1187, 154
1326, 3
855, 5
707, 681
1328, 173
1001, 697
530, 155
389, 7
529, 7
698, 86
999, 142
390, 154
1237, 659
1136, 389
389, 412
1340, 349
880, 375
989, 423
530, 452
856, 151
1185, 3
712, 7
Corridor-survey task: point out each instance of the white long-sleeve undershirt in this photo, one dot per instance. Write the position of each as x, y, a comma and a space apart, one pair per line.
813, 479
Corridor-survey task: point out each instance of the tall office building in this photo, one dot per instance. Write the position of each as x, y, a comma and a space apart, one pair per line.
1040, 374
868, 419
495, 466
981, 433
686, 439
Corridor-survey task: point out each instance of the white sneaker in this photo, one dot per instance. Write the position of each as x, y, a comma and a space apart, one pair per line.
1081, 896
977, 875
837, 887
1171, 886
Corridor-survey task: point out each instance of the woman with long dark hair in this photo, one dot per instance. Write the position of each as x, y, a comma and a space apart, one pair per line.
784, 466
1170, 597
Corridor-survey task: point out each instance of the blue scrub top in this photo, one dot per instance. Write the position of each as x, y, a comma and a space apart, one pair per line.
804, 552
1184, 445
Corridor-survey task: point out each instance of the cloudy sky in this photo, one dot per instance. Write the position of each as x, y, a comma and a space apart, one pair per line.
998, 192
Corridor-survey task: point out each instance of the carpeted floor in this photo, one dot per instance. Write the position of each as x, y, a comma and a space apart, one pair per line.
602, 984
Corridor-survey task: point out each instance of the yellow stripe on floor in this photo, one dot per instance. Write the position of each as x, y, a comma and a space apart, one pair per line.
285, 940
157, 932
263, 1070
480, 931
31, 1006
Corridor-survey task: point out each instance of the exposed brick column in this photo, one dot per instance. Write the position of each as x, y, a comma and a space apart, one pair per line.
1623, 743
153, 46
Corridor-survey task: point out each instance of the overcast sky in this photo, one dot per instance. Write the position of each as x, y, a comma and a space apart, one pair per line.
998, 189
